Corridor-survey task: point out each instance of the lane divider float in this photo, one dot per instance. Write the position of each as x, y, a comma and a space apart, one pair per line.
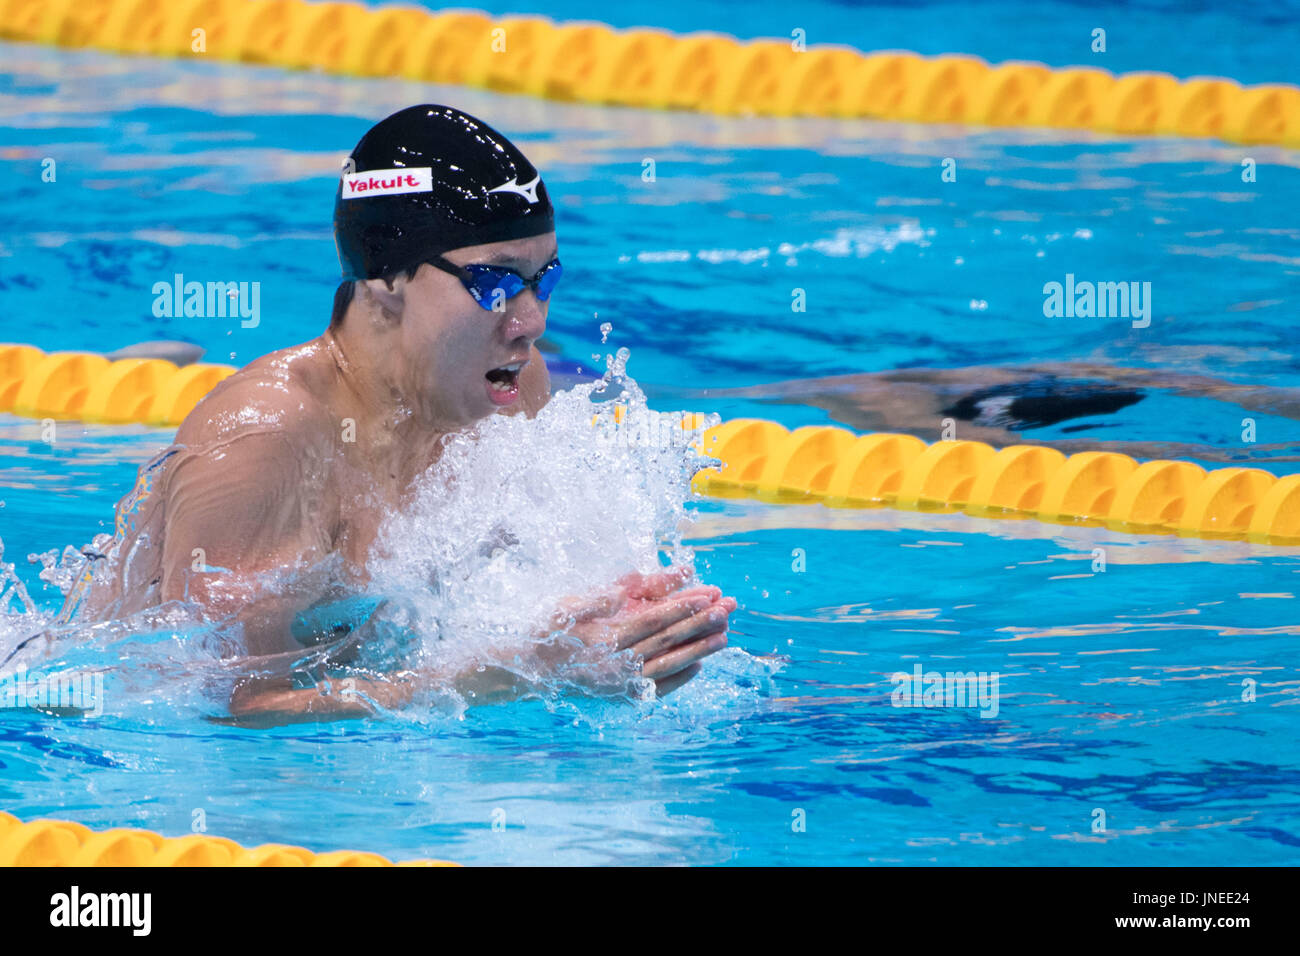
839, 468
87, 387
762, 459
63, 843
655, 69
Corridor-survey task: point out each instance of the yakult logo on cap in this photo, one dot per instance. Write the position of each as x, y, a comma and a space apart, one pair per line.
387, 182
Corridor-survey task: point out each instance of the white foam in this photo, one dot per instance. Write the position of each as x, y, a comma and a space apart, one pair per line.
518, 515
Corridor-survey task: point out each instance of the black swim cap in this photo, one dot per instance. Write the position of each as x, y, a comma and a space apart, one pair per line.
428, 179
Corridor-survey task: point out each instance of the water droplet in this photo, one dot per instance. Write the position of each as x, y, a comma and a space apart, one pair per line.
605, 329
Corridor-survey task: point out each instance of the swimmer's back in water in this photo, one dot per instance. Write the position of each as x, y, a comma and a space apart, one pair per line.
1008, 405
446, 236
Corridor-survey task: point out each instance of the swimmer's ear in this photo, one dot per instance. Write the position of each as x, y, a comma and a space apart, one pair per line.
389, 293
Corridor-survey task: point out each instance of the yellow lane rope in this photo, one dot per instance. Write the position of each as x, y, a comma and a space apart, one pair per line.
62, 843
761, 459
651, 68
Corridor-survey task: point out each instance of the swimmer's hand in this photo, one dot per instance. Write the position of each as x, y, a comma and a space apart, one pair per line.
668, 629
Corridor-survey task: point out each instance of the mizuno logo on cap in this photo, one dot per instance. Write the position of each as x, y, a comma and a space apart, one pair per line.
527, 190
387, 182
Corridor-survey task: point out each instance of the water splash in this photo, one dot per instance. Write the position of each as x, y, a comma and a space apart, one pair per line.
12, 590
515, 516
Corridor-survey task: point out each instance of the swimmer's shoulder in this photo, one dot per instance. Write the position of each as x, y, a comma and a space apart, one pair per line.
279, 394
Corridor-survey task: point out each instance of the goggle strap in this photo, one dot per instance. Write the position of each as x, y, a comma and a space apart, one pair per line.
438, 262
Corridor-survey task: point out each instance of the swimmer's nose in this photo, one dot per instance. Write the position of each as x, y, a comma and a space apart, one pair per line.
525, 318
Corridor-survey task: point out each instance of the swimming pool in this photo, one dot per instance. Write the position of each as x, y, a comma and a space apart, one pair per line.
1120, 690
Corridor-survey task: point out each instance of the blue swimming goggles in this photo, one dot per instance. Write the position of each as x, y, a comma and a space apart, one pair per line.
482, 282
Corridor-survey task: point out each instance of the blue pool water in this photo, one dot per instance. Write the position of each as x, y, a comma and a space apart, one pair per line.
1121, 690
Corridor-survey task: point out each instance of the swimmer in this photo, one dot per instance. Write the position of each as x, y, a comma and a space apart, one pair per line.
1002, 405
445, 233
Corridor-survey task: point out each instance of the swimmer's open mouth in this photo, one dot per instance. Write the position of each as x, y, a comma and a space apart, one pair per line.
505, 377
503, 382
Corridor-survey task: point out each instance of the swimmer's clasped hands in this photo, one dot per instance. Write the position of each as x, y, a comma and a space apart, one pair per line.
648, 626
667, 629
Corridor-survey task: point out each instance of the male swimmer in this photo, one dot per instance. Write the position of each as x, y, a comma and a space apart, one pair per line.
446, 236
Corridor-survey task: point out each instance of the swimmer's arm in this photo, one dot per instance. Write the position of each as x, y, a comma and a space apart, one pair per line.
671, 630
266, 702
270, 701
244, 506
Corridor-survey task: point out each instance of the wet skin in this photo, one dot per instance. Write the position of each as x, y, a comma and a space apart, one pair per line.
293, 463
